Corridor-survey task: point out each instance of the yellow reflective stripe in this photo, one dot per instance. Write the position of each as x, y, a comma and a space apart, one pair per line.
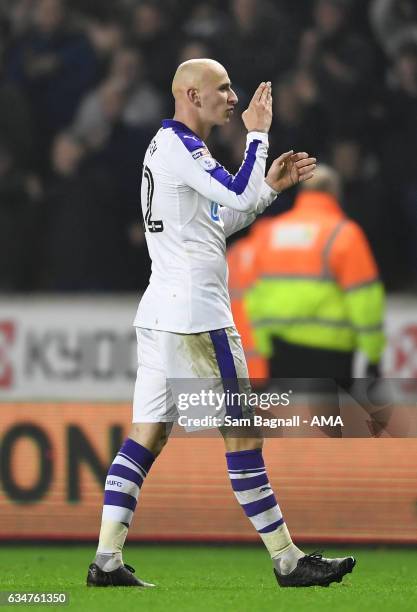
315, 321
295, 277
326, 271
368, 329
318, 277
300, 321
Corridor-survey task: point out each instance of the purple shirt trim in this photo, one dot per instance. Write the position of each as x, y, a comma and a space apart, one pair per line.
188, 138
239, 182
192, 142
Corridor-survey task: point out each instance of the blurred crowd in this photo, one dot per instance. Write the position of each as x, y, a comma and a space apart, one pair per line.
85, 83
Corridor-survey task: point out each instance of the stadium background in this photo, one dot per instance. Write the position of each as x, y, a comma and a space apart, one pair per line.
81, 92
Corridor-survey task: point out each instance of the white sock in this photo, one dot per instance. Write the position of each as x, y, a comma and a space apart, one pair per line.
254, 493
124, 480
286, 561
108, 562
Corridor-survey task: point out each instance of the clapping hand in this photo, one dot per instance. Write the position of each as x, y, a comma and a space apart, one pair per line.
289, 169
258, 116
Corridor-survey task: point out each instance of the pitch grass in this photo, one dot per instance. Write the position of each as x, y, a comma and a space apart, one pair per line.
203, 578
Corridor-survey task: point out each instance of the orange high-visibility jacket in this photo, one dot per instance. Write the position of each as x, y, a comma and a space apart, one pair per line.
315, 281
240, 262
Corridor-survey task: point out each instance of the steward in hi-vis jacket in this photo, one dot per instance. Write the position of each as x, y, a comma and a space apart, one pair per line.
240, 262
316, 297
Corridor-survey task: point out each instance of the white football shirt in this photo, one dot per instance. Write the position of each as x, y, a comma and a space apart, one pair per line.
190, 204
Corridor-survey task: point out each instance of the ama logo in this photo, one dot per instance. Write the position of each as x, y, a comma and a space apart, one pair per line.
214, 211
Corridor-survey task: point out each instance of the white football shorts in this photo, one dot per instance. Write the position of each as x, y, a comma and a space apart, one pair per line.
172, 365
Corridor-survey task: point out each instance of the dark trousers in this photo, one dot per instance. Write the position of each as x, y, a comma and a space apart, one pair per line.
321, 369
313, 371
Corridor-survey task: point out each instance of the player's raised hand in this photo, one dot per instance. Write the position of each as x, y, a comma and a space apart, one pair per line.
258, 116
289, 169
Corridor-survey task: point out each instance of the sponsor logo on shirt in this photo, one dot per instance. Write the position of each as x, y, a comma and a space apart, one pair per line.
152, 147
204, 158
214, 211
200, 153
208, 163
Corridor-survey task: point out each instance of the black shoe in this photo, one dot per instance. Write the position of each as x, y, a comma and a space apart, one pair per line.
313, 570
122, 576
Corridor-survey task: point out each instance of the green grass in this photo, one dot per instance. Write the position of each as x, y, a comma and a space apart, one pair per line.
202, 578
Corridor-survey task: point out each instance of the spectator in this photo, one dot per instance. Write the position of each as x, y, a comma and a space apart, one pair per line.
401, 119
54, 65
84, 239
256, 25
151, 33
102, 72
17, 14
399, 162
363, 198
118, 149
394, 23
105, 12
17, 125
341, 62
143, 106
299, 121
194, 49
106, 37
19, 198
205, 22
125, 96
97, 113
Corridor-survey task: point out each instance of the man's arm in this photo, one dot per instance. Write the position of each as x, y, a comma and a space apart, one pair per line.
193, 164
287, 170
356, 272
234, 221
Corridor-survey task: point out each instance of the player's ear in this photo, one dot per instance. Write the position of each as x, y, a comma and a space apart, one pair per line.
194, 97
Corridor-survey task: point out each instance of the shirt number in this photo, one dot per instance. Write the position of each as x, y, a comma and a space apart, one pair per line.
150, 224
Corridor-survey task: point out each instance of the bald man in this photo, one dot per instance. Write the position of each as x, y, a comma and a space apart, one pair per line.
184, 325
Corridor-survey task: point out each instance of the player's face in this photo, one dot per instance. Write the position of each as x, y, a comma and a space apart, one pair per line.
217, 98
